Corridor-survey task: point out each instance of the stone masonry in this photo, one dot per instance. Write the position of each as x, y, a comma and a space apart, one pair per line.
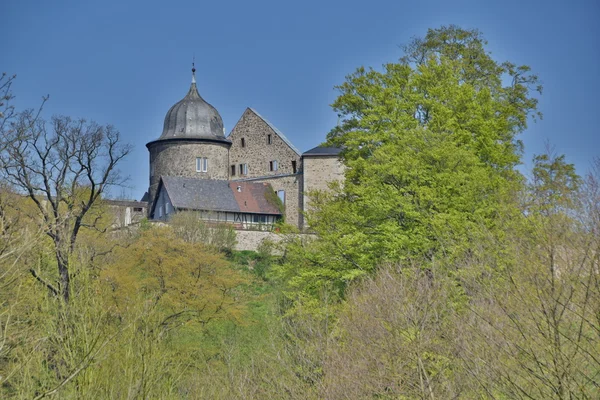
178, 158
258, 155
319, 172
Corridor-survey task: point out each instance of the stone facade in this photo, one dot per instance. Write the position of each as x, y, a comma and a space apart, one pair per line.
258, 152
318, 173
259, 145
178, 158
250, 240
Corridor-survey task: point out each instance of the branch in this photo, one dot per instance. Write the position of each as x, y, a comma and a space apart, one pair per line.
43, 282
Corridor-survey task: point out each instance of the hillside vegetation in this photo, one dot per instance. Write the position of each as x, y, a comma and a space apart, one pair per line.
438, 271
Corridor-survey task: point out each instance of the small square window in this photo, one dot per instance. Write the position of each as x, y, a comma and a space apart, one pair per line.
273, 165
243, 169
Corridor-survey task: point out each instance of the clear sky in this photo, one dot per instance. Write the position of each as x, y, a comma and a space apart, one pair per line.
126, 62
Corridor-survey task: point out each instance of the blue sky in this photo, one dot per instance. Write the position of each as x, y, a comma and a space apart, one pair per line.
126, 62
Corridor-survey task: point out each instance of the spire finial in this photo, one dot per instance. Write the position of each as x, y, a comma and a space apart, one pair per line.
194, 69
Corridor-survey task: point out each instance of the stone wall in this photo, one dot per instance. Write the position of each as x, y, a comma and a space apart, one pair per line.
250, 240
257, 152
319, 172
178, 158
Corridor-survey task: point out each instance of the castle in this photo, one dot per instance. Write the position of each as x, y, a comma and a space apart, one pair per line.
235, 179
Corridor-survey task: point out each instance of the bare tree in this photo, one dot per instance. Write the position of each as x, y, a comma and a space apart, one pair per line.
7, 110
64, 166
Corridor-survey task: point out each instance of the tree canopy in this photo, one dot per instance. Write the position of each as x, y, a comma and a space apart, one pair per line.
430, 144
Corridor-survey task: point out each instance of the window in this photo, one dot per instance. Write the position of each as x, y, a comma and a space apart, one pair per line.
272, 165
281, 195
233, 170
201, 164
269, 139
167, 209
243, 142
243, 169
294, 166
160, 211
261, 219
138, 209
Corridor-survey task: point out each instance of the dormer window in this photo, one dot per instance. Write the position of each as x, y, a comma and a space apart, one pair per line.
243, 142
201, 164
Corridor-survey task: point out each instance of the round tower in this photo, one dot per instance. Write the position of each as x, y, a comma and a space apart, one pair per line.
192, 143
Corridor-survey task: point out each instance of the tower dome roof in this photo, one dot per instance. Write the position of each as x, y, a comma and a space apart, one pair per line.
193, 118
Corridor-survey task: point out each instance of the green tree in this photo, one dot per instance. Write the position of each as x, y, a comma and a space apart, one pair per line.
186, 282
430, 145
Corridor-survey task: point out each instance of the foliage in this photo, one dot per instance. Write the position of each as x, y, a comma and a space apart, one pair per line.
186, 282
527, 330
436, 272
430, 145
399, 333
274, 200
259, 262
189, 227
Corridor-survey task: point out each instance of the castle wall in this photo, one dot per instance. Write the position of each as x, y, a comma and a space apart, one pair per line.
250, 240
178, 158
257, 153
319, 172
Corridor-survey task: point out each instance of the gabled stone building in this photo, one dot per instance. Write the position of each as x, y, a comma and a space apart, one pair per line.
194, 166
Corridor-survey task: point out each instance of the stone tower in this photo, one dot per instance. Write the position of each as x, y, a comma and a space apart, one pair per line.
192, 143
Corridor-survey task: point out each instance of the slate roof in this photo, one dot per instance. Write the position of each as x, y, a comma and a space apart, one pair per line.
217, 195
277, 131
323, 151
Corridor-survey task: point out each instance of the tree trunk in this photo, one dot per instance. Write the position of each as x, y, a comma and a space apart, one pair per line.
62, 258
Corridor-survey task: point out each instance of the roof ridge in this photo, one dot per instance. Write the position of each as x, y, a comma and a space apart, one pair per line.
277, 131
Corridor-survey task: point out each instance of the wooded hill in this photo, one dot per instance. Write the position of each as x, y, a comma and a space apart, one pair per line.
438, 270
